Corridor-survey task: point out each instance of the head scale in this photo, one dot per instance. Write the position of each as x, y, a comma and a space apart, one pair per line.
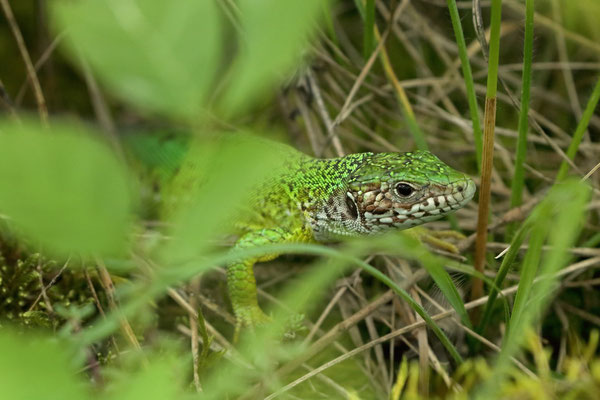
395, 191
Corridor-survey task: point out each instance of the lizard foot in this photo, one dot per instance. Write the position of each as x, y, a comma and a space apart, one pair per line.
253, 317
437, 239
249, 317
293, 326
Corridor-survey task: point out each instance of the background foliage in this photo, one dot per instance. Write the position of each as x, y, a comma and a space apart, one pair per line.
100, 298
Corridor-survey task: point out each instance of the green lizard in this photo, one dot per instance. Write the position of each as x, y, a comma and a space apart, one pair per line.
323, 200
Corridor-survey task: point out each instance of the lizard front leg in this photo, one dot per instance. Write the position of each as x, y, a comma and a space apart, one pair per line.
240, 276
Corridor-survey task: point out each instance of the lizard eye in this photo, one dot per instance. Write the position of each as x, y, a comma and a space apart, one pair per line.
404, 189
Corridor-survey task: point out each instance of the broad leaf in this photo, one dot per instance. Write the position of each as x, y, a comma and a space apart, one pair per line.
274, 33
32, 367
63, 189
160, 55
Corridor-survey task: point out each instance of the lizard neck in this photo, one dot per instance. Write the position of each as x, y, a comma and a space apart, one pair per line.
314, 180
319, 186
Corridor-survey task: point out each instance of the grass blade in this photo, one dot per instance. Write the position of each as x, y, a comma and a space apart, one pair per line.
417, 308
533, 294
360, 7
581, 128
407, 110
528, 273
516, 197
507, 263
468, 77
368, 29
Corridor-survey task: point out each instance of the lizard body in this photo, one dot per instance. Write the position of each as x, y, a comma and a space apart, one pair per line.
307, 199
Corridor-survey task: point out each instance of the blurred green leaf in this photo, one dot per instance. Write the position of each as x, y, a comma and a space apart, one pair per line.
408, 246
533, 296
507, 262
530, 297
444, 282
160, 379
529, 271
274, 33
32, 368
211, 187
160, 55
63, 189
581, 16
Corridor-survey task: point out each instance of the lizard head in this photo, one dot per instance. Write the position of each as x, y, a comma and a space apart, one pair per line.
398, 191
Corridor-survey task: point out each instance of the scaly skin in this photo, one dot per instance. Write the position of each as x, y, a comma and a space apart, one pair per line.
323, 200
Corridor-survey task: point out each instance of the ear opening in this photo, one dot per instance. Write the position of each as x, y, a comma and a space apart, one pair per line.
351, 205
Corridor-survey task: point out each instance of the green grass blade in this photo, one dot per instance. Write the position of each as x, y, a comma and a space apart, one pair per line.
178, 273
468, 77
368, 29
417, 308
492, 80
434, 265
571, 221
593, 241
446, 285
528, 273
507, 263
360, 7
300, 296
581, 128
416, 131
407, 110
518, 181
532, 294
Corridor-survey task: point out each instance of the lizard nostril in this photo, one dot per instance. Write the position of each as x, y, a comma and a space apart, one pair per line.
460, 188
